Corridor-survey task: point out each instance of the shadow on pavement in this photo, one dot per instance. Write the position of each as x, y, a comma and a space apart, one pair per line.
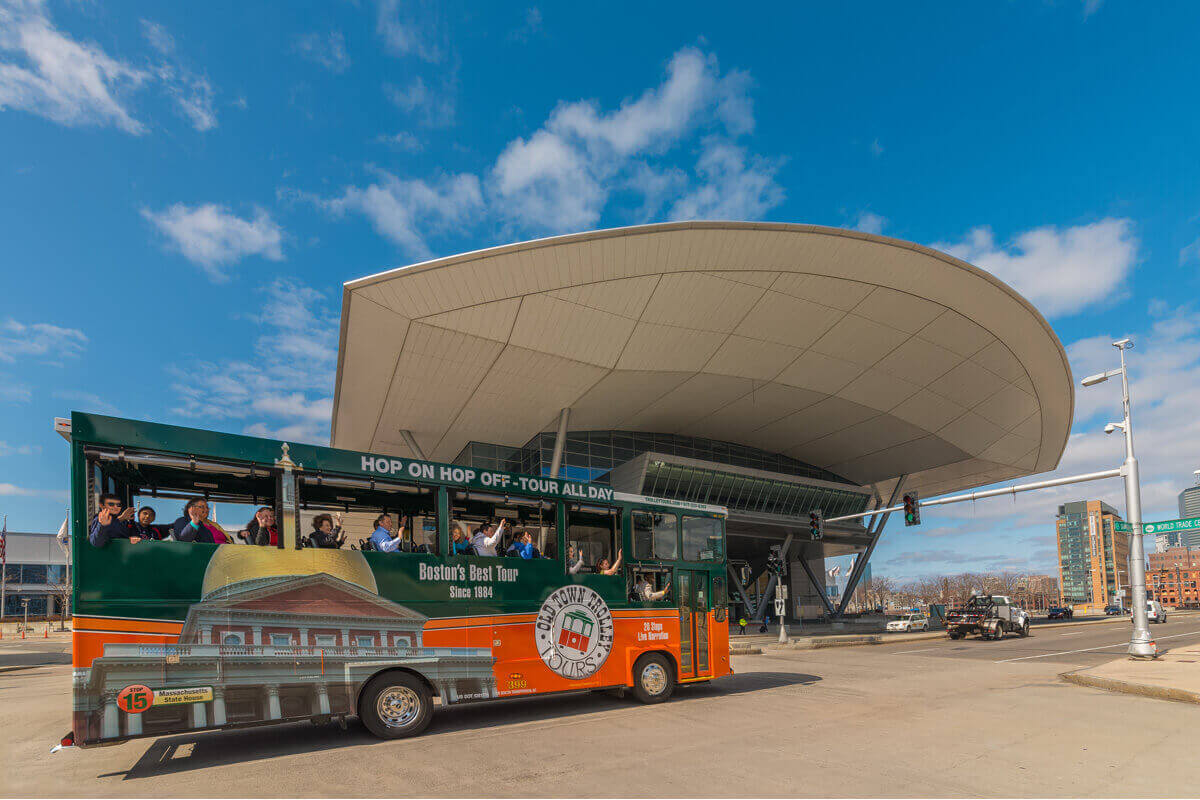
217, 748
40, 659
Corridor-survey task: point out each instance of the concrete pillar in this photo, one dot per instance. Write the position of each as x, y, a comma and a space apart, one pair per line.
110, 722
133, 724
218, 705
256, 635
345, 637
273, 710
304, 637
322, 699
206, 634
199, 715
383, 639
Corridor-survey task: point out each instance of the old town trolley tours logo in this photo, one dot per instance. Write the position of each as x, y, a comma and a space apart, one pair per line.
574, 632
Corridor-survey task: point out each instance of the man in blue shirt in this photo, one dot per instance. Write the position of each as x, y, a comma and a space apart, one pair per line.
111, 522
383, 539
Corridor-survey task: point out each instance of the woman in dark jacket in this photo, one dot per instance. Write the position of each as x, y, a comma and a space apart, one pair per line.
326, 533
261, 530
195, 526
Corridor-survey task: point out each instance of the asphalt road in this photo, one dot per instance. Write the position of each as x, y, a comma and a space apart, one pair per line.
937, 719
1081, 645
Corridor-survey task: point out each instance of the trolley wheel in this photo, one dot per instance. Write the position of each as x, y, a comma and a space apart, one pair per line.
653, 678
1024, 631
395, 705
955, 635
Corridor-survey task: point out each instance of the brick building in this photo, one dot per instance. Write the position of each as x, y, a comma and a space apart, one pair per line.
1174, 577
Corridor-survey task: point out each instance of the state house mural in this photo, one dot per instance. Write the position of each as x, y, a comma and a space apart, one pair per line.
261, 647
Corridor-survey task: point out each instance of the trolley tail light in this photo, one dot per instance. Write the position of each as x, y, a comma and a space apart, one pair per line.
66, 741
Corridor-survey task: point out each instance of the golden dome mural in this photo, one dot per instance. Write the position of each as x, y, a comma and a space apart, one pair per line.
233, 564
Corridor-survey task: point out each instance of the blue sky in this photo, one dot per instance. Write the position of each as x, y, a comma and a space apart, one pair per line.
185, 187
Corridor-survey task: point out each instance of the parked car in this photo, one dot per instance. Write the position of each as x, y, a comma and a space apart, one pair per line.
1111, 610
1060, 612
909, 623
1154, 612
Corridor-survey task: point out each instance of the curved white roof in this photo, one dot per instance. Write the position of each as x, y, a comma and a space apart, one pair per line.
868, 356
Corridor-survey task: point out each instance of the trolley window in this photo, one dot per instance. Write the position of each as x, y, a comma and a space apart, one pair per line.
702, 539
655, 536
592, 534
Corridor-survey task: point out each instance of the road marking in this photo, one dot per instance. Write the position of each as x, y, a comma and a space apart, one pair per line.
1079, 633
1090, 649
922, 650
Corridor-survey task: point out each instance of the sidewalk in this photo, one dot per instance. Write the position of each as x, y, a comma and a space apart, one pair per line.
1174, 675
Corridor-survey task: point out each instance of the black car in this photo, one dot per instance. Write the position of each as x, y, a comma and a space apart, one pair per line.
1111, 610
1060, 612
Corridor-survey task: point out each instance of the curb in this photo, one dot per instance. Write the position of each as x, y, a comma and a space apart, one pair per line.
1128, 687
746, 651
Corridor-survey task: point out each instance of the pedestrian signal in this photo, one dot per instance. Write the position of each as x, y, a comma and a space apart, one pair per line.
912, 509
816, 524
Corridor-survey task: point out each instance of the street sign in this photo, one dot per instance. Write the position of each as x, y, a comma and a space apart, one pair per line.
1171, 525
780, 607
1122, 527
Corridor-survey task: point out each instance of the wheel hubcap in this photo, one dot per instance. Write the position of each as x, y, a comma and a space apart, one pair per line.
398, 706
654, 678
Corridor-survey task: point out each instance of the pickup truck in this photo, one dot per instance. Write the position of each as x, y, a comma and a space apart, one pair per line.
992, 616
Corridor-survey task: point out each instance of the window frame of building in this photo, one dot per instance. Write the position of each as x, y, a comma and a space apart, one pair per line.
324, 640
233, 639
272, 638
358, 641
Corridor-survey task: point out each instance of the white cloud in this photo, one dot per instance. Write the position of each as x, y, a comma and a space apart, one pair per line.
7, 449
88, 401
434, 108
876, 148
13, 391
50, 343
192, 94
735, 186
407, 30
561, 176
212, 237
11, 490
1061, 271
869, 222
158, 37
69, 82
1091, 7
327, 50
402, 140
408, 211
286, 390
531, 25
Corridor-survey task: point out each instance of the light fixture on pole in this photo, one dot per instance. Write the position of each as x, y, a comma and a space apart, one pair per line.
1140, 643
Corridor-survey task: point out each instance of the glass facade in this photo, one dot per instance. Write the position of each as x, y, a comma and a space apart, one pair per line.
1075, 557
747, 493
589, 455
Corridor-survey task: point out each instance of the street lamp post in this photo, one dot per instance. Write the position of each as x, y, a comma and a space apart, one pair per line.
1140, 643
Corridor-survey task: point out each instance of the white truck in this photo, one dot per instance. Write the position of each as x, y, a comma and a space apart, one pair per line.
991, 616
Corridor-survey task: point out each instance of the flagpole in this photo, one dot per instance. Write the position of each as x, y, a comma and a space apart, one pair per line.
3, 567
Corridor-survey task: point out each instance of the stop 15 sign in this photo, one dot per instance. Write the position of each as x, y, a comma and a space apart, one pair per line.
135, 699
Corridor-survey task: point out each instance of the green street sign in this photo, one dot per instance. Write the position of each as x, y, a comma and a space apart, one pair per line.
1171, 525
1122, 527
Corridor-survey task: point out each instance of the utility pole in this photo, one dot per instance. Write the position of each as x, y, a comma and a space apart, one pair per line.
1141, 645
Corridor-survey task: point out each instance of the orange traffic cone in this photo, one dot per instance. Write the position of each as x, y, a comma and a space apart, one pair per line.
46, 635
22, 632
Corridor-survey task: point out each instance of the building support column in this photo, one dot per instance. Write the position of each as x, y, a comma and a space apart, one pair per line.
199, 715
273, 710
559, 441
303, 637
741, 590
206, 634
860, 563
219, 705
322, 699
818, 585
411, 441
133, 724
345, 637
110, 722
256, 635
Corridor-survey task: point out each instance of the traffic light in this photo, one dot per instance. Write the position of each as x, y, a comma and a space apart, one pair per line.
912, 509
816, 524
